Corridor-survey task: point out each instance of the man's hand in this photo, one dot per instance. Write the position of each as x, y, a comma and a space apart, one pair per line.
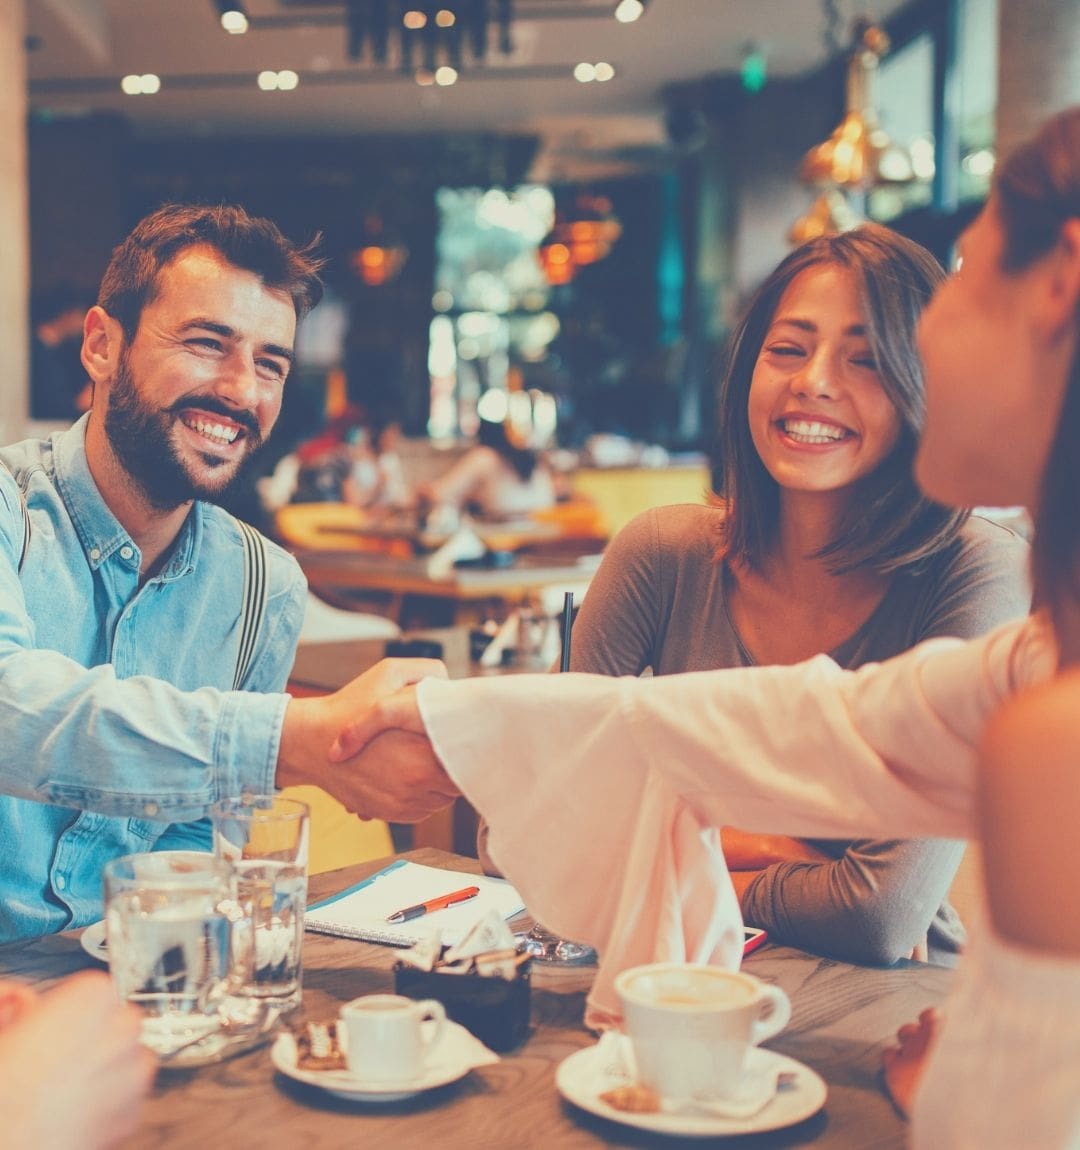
396, 712
397, 777
72, 1070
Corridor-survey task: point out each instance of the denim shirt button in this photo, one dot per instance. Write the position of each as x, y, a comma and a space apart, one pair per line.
151, 809
60, 882
126, 552
95, 553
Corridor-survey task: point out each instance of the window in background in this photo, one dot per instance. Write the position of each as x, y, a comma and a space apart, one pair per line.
977, 65
490, 305
905, 104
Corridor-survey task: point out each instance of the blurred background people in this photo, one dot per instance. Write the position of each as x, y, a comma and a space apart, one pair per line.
59, 388
376, 478
501, 477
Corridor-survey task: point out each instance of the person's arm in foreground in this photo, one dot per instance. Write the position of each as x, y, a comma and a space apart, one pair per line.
1015, 1012
603, 794
72, 1070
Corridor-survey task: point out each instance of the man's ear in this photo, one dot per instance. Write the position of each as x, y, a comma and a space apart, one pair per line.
103, 341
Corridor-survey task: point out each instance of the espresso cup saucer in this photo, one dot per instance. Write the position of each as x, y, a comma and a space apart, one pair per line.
454, 1054
92, 940
586, 1074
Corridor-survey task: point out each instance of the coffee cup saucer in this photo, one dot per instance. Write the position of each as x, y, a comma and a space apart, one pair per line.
452, 1056
586, 1074
92, 940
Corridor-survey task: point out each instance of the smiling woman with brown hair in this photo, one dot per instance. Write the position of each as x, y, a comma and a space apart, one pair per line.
820, 541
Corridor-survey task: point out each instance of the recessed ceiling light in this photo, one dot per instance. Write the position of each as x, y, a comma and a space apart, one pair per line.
628, 11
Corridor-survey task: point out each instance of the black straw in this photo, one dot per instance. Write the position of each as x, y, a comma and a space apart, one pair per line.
567, 624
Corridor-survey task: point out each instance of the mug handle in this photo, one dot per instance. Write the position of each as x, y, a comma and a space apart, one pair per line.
776, 1013
433, 1011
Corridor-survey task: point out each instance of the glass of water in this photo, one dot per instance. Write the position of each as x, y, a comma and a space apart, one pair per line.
168, 917
264, 841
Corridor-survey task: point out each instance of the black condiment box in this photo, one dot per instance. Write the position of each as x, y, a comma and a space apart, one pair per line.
496, 1010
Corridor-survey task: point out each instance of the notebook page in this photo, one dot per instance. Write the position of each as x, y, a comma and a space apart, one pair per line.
361, 911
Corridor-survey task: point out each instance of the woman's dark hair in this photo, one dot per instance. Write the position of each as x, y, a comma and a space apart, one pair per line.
521, 459
249, 242
1036, 190
891, 525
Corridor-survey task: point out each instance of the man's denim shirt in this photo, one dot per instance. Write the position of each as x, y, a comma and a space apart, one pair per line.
117, 714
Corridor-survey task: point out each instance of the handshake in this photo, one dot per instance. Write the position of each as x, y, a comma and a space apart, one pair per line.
367, 745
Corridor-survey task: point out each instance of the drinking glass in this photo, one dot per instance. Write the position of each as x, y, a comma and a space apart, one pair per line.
169, 937
264, 840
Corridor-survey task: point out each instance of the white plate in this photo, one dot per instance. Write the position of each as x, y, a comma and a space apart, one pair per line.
92, 940
449, 1061
580, 1080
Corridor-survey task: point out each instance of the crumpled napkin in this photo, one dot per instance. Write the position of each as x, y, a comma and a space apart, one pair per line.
615, 1066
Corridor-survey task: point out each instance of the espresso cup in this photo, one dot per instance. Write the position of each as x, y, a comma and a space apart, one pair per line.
691, 1026
388, 1036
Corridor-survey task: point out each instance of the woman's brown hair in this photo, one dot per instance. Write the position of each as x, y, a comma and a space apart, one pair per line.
1037, 189
891, 525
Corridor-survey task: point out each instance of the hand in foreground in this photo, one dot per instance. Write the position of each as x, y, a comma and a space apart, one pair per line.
72, 1070
903, 1064
397, 778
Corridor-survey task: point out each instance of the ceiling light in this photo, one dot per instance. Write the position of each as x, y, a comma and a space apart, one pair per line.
287, 80
445, 76
267, 81
397, 34
604, 72
144, 85
584, 73
628, 11
233, 17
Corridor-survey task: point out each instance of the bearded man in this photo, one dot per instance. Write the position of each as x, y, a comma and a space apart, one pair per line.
146, 636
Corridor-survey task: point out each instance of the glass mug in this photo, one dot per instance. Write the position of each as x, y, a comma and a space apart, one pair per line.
264, 840
169, 922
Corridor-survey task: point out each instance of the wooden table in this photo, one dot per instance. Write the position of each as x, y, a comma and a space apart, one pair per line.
465, 593
842, 1018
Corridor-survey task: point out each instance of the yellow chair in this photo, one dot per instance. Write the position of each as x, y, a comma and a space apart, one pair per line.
339, 838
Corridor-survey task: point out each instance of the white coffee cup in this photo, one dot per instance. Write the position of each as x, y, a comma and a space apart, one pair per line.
691, 1026
388, 1036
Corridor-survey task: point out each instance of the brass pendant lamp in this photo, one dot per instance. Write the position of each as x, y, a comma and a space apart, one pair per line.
859, 154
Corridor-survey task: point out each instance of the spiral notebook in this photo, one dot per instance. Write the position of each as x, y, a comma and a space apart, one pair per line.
361, 910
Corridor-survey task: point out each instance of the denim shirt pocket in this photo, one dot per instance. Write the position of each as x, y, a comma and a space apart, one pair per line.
147, 830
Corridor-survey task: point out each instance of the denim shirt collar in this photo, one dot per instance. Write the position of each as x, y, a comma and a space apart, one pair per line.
99, 531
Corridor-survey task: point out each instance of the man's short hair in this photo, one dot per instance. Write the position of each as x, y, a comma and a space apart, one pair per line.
249, 242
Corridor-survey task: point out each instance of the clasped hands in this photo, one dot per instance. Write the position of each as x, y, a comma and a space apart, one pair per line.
367, 745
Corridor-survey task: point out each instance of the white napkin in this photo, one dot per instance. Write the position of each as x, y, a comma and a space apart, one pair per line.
463, 544
615, 1066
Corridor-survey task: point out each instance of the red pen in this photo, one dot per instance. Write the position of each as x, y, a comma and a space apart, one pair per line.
440, 903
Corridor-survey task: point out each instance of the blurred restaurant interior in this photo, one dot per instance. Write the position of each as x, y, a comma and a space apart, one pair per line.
542, 213
541, 220
446, 159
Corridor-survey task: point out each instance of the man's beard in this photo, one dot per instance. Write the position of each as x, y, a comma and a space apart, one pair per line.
142, 439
